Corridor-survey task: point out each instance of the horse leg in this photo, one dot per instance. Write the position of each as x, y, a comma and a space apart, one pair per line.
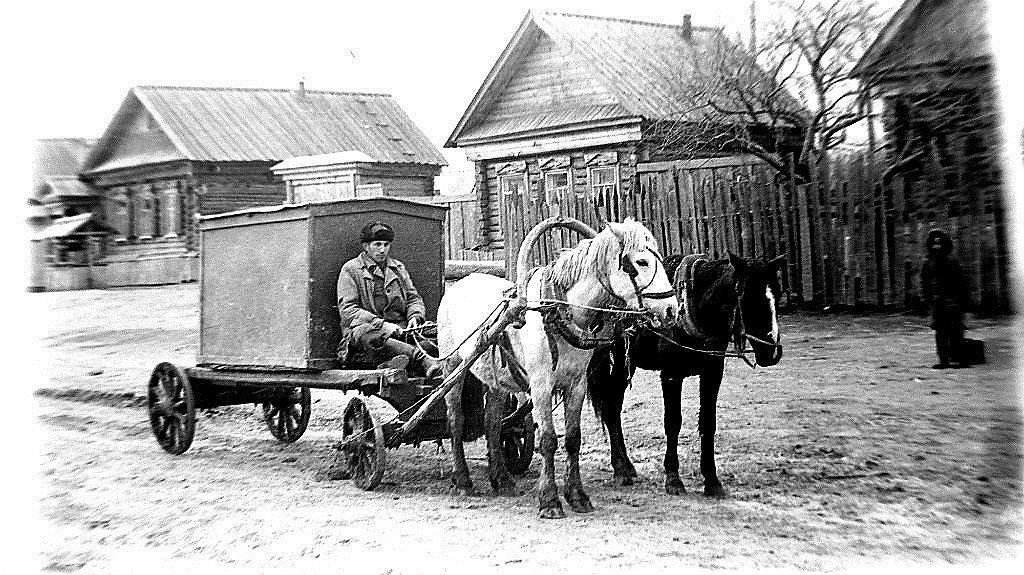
671, 392
710, 382
494, 406
547, 491
461, 483
575, 496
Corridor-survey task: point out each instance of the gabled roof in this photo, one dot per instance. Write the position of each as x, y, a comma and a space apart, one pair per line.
71, 225
60, 157
639, 63
268, 125
923, 33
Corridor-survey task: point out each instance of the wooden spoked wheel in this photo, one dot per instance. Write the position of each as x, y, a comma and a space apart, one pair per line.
517, 438
287, 415
172, 410
517, 444
362, 445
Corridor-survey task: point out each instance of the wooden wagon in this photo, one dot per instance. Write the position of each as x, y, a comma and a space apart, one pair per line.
269, 332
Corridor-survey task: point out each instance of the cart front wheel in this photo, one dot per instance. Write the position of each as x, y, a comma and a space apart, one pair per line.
172, 408
362, 445
287, 415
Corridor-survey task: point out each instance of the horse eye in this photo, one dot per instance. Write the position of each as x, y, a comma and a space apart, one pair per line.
641, 263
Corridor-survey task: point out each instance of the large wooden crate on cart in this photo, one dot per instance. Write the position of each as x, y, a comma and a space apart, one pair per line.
269, 276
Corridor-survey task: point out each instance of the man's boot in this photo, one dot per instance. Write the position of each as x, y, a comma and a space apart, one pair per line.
431, 367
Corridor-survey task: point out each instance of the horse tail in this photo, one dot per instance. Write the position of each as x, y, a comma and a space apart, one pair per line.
606, 377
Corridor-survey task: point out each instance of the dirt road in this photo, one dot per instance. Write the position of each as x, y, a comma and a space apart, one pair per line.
850, 454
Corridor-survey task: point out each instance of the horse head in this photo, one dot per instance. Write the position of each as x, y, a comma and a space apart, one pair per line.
757, 293
636, 273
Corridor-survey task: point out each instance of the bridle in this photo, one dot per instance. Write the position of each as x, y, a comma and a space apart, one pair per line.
627, 266
740, 335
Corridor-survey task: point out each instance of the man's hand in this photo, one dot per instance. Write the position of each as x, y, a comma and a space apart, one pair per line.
415, 322
390, 329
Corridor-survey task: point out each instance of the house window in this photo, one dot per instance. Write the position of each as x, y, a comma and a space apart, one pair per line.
603, 181
556, 184
512, 185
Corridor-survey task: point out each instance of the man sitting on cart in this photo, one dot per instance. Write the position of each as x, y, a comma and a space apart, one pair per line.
380, 307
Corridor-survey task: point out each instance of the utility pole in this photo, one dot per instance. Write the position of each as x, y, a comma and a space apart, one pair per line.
753, 27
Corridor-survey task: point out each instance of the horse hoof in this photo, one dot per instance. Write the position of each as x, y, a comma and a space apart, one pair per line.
552, 513
675, 488
582, 506
623, 480
716, 491
504, 487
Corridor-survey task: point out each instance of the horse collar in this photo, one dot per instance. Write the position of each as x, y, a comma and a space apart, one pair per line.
558, 321
684, 276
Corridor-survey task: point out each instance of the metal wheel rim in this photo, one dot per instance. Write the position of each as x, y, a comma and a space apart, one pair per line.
288, 418
171, 405
363, 458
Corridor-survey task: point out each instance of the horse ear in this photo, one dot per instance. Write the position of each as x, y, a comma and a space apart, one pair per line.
615, 229
737, 262
778, 262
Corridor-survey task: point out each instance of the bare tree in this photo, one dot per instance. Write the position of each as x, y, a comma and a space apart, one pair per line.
793, 94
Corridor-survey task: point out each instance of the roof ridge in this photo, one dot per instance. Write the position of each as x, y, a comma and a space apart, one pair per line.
625, 20
231, 89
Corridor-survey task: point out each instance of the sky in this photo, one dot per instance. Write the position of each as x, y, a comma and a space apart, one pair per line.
80, 58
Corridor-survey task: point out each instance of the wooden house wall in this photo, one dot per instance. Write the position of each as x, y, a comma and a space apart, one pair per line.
396, 186
506, 218
549, 78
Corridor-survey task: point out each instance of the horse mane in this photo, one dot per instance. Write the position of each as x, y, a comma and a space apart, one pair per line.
627, 237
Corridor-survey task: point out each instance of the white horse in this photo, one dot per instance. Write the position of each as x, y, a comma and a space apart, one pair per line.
619, 268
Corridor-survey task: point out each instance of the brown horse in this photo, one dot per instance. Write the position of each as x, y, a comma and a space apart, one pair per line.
725, 300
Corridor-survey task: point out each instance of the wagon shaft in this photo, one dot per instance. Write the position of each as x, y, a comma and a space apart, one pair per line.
486, 339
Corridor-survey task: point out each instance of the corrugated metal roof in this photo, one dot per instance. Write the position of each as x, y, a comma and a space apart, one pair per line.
244, 124
556, 118
640, 63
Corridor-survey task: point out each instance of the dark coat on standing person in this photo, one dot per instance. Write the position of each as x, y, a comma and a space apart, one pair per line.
943, 284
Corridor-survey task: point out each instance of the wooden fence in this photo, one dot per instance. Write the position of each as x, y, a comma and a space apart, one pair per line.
461, 227
853, 242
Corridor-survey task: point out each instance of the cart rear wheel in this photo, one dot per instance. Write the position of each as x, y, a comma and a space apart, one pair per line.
287, 416
172, 408
517, 444
362, 445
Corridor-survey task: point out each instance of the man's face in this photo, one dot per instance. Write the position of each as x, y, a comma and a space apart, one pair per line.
378, 251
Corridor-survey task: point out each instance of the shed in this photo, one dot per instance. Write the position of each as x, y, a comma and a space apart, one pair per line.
269, 276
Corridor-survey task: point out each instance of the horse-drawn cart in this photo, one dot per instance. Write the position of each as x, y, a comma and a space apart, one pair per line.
269, 332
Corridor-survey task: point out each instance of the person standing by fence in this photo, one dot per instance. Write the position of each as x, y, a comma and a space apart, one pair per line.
945, 292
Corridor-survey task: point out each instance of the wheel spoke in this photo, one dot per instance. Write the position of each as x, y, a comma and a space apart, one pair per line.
162, 429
